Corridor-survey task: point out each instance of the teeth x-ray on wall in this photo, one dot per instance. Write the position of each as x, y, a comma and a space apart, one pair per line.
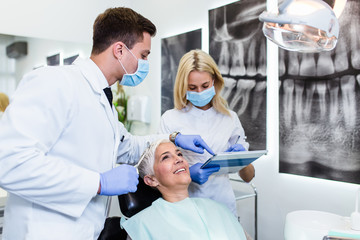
172, 49
319, 106
238, 46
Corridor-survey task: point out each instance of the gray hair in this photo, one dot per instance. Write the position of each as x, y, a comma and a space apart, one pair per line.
147, 159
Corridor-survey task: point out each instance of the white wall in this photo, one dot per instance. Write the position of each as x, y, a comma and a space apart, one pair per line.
53, 19
278, 193
7, 67
49, 27
39, 49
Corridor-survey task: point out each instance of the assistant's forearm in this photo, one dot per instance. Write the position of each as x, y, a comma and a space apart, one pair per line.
247, 173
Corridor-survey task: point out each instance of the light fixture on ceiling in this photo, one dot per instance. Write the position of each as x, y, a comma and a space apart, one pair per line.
302, 25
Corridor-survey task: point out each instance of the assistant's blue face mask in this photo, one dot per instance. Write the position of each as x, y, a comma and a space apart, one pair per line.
138, 76
200, 99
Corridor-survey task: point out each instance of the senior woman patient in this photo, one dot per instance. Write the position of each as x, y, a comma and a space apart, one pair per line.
175, 215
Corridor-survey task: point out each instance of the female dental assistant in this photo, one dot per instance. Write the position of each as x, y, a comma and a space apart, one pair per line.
199, 109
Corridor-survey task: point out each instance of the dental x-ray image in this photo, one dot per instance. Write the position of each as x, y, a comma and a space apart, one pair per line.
53, 60
172, 49
238, 46
70, 60
319, 106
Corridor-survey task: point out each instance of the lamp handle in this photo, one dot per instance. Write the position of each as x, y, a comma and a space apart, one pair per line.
284, 5
357, 200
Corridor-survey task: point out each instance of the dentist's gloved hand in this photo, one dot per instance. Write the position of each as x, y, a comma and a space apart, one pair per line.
236, 148
120, 180
200, 176
192, 142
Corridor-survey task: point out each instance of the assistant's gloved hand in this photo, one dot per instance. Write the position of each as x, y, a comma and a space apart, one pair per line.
236, 148
120, 180
192, 142
200, 176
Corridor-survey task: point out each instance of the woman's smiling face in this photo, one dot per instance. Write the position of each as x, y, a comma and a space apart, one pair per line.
170, 167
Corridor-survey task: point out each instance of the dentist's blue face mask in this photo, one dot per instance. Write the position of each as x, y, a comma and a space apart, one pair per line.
200, 99
138, 76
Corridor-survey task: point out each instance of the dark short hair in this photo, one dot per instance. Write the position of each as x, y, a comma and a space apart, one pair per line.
119, 24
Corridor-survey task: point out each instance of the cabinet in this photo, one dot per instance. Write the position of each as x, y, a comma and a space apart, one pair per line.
3, 195
1, 220
243, 191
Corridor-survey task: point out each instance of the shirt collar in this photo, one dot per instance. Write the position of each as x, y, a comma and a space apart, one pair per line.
103, 83
195, 110
92, 71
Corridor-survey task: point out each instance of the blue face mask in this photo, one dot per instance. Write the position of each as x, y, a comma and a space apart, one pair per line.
137, 77
200, 99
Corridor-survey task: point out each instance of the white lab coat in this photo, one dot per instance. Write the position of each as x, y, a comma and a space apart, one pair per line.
219, 131
57, 135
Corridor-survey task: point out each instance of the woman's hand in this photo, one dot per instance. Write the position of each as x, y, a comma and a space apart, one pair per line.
192, 142
236, 148
248, 172
200, 176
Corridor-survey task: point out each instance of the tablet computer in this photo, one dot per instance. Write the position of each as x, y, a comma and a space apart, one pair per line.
231, 162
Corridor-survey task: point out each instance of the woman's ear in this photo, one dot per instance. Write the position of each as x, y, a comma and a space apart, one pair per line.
151, 181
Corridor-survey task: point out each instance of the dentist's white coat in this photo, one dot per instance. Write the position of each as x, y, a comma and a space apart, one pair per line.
57, 135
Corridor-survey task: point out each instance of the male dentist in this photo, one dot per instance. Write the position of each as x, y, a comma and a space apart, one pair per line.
60, 137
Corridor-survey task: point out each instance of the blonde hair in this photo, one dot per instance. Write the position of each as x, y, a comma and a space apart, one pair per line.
147, 159
4, 102
198, 60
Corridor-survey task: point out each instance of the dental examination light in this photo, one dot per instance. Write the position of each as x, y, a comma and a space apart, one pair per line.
302, 25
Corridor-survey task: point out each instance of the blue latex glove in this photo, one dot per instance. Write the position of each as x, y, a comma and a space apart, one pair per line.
192, 142
119, 180
200, 176
236, 148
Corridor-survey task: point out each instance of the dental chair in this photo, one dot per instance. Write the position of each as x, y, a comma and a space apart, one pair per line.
130, 204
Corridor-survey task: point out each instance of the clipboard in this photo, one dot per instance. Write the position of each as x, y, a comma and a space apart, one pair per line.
231, 162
